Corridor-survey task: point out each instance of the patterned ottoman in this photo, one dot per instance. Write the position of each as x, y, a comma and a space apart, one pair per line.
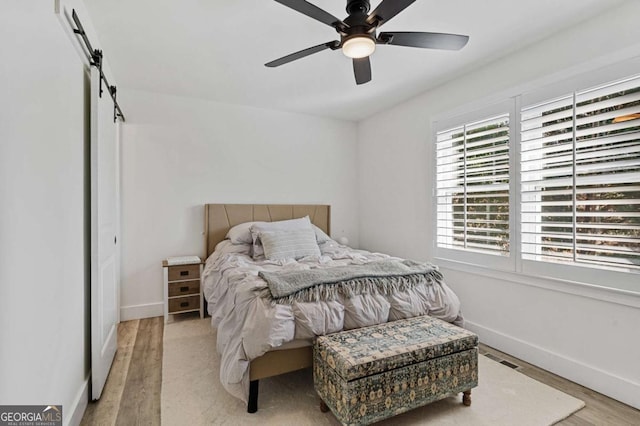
369, 374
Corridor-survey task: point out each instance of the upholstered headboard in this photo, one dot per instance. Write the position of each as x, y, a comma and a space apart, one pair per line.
219, 218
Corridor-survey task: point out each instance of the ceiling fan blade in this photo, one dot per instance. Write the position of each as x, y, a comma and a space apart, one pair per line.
362, 70
424, 40
313, 11
302, 53
386, 10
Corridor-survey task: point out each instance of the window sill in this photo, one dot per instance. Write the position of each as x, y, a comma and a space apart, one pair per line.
592, 291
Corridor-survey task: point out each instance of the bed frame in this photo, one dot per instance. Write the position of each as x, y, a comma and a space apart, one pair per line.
219, 218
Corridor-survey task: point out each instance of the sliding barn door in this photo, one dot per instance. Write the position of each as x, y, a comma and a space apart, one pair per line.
104, 221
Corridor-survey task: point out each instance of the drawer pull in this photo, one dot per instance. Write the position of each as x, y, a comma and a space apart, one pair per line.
183, 289
184, 304
184, 273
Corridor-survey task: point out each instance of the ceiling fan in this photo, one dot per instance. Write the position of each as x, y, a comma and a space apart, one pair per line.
359, 36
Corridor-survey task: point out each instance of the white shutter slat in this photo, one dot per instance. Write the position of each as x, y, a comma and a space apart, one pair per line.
580, 191
559, 139
535, 148
608, 202
617, 227
551, 157
622, 151
488, 204
487, 230
628, 84
500, 158
545, 107
583, 133
536, 132
611, 261
594, 114
534, 120
478, 190
606, 239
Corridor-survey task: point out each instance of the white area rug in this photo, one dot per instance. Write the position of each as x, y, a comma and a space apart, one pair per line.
192, 393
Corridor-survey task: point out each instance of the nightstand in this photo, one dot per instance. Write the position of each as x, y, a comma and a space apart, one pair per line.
182, 287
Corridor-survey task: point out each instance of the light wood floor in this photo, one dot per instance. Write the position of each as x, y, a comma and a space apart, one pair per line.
132, 393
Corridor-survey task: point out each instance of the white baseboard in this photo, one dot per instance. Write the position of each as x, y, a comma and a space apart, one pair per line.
73, 415
148, 310
613, 386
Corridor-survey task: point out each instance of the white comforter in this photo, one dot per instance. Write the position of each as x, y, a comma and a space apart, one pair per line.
248, 325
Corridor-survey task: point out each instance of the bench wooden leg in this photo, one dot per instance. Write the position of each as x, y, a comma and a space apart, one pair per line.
323, 407
252, 404
466, 397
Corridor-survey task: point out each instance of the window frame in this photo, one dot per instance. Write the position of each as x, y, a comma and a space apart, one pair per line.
499, 262
575, 278
573, 142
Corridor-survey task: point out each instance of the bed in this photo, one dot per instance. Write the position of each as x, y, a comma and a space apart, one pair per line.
235, 297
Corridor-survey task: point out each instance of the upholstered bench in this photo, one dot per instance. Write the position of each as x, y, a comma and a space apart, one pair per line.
369, 374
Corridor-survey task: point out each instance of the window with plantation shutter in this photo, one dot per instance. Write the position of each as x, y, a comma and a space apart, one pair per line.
472, 186
580, 177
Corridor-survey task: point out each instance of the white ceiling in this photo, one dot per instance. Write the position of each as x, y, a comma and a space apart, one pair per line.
216, 49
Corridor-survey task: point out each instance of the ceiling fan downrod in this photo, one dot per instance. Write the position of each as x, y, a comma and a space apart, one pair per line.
358, 7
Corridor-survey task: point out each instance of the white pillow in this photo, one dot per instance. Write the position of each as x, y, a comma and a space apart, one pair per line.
320, 235
295, 244
281, 225
241, 234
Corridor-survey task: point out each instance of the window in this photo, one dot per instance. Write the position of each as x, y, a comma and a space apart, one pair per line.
546, 186
580, 177
473, 186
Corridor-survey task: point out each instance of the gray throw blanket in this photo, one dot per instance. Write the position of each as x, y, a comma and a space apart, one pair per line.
382, 277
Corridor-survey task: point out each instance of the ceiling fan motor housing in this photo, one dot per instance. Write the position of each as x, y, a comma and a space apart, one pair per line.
358, 11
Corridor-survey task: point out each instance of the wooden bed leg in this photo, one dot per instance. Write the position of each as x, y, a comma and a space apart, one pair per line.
466, 397
252, 404
323, 407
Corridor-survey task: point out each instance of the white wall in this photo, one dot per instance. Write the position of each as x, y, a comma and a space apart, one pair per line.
43, 327
590, 341
181, 153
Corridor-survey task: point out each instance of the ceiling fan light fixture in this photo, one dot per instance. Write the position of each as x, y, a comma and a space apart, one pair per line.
358, 47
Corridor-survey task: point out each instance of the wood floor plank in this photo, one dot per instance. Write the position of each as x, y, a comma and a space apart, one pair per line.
105, 411
140, 404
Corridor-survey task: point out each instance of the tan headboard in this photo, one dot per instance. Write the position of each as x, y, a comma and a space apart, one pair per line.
219, 218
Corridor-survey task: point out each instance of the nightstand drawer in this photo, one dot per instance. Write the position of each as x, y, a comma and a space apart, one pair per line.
184, 272
184, 303
184, 288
